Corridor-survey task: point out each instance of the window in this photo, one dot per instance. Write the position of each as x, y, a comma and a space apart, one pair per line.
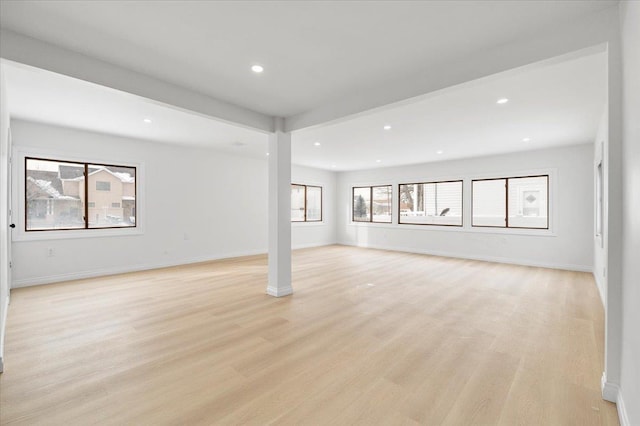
314, 204
362, 204
516, 202
103, 186
372, 204
489, 203
297, 203
57, 196
431, 203
306, 203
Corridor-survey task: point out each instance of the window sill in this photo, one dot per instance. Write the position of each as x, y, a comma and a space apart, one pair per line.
73, 234
305, 224
467, 229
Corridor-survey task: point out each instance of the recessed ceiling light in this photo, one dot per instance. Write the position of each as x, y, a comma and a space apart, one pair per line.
526, 139
378, 161
257, 69
387, 127
439, 151
317, 143
267, 154
147, 120
502, 101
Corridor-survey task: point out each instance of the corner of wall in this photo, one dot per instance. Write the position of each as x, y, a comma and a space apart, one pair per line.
613, 393
602, 289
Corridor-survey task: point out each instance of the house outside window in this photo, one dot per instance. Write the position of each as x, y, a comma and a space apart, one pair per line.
431, 203
57, 198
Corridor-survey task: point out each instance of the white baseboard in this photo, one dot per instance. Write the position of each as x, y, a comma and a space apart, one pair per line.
279, 292
311, 245
622, 410
611, 392
495, 259
50, 279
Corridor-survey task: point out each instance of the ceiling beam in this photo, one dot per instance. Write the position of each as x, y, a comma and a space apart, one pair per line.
37, 53
584, 33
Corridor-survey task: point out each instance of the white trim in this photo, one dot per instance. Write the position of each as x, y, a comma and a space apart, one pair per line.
611, 392
467, 182
18, 175
72, 234
599, 207
3, 326
279, 292
495, 259
311, 245
479, 230
622, 410
311, 223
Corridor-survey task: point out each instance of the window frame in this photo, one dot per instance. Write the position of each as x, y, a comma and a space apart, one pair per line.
305, 203
85, 208
506, 211
435, 182
353, 192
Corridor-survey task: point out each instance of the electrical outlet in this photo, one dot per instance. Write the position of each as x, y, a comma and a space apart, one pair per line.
50, 252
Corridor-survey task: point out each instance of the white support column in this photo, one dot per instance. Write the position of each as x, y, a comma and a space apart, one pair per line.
279, 211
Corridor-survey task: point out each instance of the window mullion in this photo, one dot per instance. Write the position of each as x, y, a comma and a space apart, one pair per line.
506, 204
305, 203
86, 196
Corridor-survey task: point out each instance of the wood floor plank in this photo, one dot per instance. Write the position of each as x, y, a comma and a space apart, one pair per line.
368, 337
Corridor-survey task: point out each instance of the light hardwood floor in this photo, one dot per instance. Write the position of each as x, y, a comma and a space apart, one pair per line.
369, 337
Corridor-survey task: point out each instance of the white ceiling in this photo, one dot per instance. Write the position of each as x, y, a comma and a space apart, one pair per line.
43, 96
313, 52
553, 105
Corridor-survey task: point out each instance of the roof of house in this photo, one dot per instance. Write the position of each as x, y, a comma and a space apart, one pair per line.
76, 173
48, 189
46, 175
71, 172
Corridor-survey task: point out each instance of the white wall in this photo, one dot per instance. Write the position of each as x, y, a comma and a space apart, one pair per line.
4, 229
313, 234
198, 204
630, 369
568, 245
